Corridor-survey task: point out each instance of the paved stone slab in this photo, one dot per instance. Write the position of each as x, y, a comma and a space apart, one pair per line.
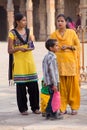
10, 128
56, 127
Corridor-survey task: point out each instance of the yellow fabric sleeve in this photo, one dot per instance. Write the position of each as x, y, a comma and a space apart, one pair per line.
11, 35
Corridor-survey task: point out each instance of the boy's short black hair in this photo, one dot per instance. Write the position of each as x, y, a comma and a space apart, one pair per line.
50, 43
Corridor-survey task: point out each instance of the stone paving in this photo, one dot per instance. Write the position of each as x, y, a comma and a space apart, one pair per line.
11, 119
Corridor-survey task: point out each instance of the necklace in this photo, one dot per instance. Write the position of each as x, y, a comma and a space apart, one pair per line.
62, 32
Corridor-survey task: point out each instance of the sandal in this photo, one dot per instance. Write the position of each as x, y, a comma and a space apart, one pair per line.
74, 112
24, 113
37, 111
64, 112
43, 114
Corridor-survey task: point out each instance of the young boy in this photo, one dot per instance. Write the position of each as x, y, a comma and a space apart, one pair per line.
50, 74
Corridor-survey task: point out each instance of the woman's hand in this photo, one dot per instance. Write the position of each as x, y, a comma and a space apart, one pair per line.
68, 47
25, 49
64, 47
22, 49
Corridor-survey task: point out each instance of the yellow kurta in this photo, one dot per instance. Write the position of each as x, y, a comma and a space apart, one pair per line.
24, 69
68, 66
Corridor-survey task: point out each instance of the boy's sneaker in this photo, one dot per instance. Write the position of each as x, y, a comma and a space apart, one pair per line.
48, 115
57, 116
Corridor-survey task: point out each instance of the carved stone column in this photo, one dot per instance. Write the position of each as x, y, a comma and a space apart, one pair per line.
59, 7
50, 16
10, 14
83, 11
42, 19
29, 9
22, 6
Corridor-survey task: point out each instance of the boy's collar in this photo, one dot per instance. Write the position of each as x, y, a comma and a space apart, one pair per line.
51, 52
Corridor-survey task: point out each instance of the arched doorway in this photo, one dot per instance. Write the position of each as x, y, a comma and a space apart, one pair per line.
3, 24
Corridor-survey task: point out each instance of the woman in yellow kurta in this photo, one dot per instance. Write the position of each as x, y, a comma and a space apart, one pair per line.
68, 64
24, 70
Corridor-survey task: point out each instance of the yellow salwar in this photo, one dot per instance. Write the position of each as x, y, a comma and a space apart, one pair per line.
24, 69
69, 68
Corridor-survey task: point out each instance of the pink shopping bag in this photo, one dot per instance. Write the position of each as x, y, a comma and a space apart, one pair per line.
56, 101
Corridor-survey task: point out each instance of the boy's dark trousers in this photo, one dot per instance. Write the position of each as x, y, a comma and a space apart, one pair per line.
49, 107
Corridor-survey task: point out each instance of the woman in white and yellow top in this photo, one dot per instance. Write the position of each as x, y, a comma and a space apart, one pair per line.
24, 69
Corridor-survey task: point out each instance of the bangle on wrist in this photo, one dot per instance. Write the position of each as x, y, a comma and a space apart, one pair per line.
72, 48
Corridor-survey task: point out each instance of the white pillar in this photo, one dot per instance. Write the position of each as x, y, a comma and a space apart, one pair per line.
60, 7
83, 11
22, 6
50, 16
10, 14
29, 9
42, 19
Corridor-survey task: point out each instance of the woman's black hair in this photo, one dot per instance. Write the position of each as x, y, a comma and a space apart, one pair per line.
17, 17
61, 15
69, 19
50, 43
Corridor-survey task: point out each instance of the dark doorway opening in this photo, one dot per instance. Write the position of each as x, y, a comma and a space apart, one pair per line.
3, 24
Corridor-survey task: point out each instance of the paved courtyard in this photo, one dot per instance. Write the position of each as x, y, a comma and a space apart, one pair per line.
10, 118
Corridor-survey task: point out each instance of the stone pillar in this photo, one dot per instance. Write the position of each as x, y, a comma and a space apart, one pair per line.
10, 14
29, 9
22, 6
50, 16
83, 11
42, 19
59, 7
